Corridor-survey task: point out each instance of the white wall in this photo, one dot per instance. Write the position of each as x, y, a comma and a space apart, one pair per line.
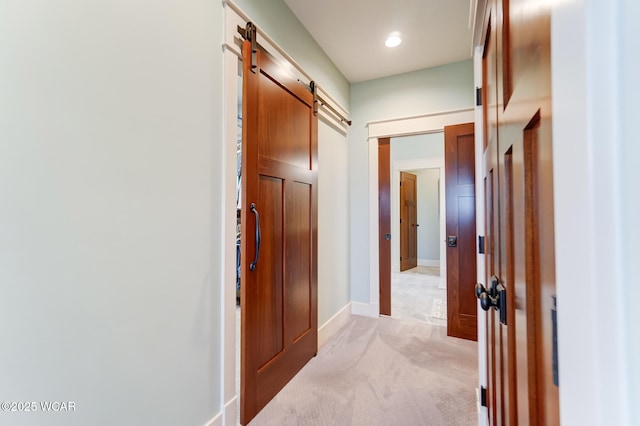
428, 214
595, 65
333, 223
110, 121
430, 90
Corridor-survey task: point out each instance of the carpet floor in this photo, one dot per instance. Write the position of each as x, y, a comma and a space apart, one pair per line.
384, 371
419, 294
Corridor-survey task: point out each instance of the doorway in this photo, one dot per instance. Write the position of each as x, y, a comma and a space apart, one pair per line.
428, 124
419, 293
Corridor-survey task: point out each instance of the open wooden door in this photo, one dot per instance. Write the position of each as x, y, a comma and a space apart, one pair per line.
518, 177
408, 221
459, 159
279, 230
497, 333
384, 225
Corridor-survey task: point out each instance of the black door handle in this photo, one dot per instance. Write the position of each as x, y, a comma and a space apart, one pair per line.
252, 266
494, 297
488, 297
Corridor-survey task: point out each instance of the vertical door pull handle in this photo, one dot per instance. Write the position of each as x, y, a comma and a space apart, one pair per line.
252, 266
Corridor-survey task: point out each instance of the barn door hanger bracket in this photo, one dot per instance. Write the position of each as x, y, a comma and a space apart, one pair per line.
314, 91
249, 33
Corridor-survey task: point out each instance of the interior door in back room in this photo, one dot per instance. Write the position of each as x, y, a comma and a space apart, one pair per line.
279, 226
408, 221
459, 160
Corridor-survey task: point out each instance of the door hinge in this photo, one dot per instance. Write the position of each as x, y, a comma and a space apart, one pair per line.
400, 258
480, 244
483, 396
401, 221
400, 183
554, 345
478, 96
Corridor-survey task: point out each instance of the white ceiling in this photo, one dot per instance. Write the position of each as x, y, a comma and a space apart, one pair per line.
353, 32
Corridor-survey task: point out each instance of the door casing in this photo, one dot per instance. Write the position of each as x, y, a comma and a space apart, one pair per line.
404, 126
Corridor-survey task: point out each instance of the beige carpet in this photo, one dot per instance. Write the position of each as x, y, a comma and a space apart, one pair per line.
382, 371
419, 294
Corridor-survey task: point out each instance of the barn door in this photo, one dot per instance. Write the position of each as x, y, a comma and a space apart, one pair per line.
279, 230
520, 283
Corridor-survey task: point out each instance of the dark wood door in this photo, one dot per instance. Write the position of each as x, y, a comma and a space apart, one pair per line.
408, 221
384, 228
279, 198
459, 159
497, 332
519, 178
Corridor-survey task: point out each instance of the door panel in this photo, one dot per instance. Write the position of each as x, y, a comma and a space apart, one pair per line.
467, 252
279, 292
408, 221
298, 259
461, 225
269, 275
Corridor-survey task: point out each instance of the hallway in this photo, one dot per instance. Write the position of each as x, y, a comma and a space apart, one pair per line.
384, 371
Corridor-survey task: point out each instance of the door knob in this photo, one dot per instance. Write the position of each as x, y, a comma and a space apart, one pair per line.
486, 300
495, 297
452, 241
387, 237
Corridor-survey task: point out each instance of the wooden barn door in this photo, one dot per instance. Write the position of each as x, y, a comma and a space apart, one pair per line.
279, 230
519, 291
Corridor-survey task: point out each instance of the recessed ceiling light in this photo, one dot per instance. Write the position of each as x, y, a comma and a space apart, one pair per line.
393, 40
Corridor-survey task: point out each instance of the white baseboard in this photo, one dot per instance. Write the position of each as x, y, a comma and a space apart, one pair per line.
216, 421
365, 309
429, 262
231, 411
330, 327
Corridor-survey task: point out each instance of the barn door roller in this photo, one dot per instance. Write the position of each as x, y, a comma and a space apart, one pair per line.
250, 34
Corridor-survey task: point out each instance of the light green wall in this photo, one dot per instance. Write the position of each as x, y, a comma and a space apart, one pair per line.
417, 146
110, 117
425, 91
